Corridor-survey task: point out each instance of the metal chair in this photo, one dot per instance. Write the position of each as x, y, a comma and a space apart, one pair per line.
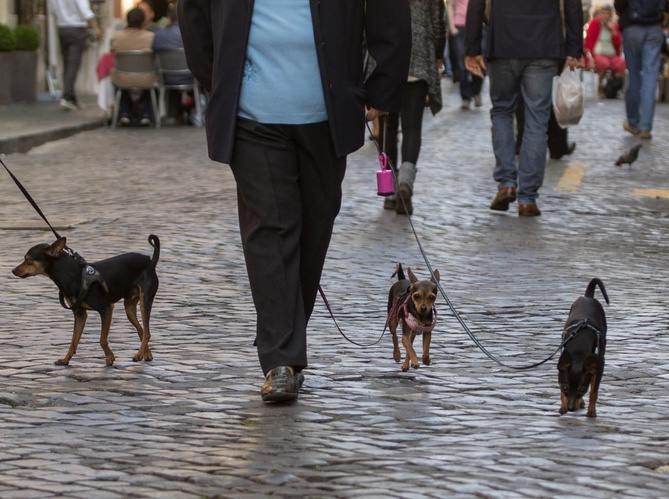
174, 74
134, 69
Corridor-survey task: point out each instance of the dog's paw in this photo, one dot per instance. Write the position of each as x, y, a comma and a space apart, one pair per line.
109, 361
397, 356
62, 362
416, 365
148, 357
427, 360
563, 410
591, 414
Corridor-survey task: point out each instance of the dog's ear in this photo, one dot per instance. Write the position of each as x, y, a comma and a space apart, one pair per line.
56, 248
565, 361
436, 275
590, 364
412, 277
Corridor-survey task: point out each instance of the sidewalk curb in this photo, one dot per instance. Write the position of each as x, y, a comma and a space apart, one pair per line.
23, 143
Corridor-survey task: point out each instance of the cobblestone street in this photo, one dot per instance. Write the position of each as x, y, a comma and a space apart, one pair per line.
191, 423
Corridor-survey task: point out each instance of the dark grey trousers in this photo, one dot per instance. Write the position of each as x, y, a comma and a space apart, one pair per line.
72, 46
288, 194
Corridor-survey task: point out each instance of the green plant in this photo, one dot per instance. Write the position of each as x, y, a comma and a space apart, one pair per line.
7, 41
27, 37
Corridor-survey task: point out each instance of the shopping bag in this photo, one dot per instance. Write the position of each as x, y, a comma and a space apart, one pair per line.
568, 98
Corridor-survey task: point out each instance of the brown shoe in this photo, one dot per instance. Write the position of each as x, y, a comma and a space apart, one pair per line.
528, 210
505, 195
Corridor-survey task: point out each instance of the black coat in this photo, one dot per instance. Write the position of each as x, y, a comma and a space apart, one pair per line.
215, 35
526, 29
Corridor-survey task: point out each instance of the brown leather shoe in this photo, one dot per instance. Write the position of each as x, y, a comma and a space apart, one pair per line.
528, 210
505, 195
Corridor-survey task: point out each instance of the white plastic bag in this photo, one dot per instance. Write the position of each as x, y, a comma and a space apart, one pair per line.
568, 98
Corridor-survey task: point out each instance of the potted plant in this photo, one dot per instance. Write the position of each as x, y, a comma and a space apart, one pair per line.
7, 44
24, 75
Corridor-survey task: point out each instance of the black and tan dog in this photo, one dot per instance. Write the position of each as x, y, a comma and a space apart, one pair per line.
581, 364
411, 302
97, 286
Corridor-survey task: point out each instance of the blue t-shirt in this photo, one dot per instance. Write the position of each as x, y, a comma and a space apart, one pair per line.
281, 82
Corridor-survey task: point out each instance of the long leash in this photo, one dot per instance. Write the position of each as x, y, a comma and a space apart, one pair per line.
29, 198
456, 314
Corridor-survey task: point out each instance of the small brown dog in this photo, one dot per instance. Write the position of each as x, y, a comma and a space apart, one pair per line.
411, 302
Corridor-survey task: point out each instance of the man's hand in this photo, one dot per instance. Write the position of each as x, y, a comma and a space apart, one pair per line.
475, 65
573, 63
372, 114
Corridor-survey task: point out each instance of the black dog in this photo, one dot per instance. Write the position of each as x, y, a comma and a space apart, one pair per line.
581, 364
97, 286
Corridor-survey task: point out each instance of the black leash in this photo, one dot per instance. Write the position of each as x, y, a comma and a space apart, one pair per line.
29, 198
443, 293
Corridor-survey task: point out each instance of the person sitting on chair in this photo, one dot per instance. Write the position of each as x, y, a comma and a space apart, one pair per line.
133, 38
603, 43
169, 38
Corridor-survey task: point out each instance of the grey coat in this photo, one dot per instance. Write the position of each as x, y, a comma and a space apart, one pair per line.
428, 35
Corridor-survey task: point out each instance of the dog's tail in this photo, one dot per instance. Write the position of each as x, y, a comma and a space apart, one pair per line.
398, 272
155, 242
590, 290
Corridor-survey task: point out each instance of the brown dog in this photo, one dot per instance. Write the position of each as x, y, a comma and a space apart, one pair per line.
411, 302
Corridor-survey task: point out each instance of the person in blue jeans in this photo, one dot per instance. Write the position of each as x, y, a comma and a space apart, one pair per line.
525, 42
641, 24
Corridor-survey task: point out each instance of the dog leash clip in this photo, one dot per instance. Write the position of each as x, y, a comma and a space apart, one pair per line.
384, 177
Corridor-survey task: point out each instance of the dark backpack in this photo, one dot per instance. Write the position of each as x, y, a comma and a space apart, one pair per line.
645, 11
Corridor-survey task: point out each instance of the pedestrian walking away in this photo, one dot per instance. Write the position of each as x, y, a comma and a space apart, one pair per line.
428, 29
287, 104
73, 18
470, 84
641, 24
526, 40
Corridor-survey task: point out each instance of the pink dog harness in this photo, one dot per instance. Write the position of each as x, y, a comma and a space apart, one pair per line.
414, 324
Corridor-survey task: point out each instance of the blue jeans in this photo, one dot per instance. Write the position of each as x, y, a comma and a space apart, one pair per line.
642, 45
531, 80
470, 84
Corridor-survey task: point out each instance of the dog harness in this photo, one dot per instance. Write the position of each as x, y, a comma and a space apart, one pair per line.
89, 275
413, 323
575, 328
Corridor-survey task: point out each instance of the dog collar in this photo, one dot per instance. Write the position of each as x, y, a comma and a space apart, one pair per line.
414, 324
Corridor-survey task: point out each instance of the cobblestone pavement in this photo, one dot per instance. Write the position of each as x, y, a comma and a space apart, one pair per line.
191, 423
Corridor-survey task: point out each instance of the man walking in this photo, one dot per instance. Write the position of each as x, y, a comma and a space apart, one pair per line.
526, 40
73, 18
641, 24
287, 104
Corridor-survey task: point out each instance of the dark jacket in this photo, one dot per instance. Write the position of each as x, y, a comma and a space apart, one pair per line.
624, 20
526, 29
215, 35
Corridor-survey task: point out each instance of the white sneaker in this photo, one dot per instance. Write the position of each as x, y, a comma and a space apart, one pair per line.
478, 101
68, 104
465, 105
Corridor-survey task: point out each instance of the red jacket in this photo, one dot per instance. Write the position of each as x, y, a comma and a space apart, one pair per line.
592, 35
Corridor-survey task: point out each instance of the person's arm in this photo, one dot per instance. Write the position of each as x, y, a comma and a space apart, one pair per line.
388, 35
93, 24
439, 34
573, 22
196, 31
474, 37
451, 18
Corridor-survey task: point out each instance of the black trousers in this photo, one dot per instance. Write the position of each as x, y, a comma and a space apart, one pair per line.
411, 118
72, 46
288, 194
